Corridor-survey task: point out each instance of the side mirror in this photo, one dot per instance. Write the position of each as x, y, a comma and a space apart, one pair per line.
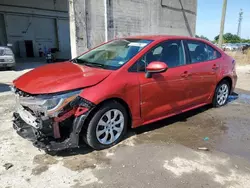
155, 67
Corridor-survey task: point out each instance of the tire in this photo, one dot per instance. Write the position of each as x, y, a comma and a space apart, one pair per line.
101, 123
221, 94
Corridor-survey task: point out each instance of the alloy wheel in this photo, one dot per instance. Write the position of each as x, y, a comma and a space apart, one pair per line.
110, 127
222, 94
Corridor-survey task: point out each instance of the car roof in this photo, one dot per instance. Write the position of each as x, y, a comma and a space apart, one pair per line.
161, 37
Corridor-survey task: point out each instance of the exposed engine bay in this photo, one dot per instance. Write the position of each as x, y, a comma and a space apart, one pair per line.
52, 122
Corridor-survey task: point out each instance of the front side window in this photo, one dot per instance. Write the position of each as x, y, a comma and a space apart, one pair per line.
200, 52
113, 54
170, 52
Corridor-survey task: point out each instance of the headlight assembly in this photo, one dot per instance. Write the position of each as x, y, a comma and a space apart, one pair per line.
50, 104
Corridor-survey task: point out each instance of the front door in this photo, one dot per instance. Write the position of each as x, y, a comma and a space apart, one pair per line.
164, 94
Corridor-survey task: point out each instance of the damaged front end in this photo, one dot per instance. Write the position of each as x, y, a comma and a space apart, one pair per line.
52, 122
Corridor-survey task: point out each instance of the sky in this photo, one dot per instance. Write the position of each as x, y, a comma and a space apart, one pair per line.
209, 17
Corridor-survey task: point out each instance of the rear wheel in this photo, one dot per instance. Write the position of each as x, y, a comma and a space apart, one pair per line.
221, 94
107, 126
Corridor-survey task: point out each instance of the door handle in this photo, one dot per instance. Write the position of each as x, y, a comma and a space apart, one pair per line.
185, 74
215, 67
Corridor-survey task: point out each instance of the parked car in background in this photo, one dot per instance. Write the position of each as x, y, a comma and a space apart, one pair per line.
124, 83
230, 46
245, 49
7, 58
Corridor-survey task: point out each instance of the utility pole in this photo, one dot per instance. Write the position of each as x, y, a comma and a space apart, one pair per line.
224, 8
72, 26
239, 23
105, 20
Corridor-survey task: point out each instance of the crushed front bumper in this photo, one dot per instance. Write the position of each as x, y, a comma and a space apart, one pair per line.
48, 142
55, 132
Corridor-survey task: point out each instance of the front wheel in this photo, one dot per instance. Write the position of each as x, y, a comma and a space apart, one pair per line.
107, 126
221, 94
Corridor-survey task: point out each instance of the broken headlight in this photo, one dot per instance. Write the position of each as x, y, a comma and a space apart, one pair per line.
50, 104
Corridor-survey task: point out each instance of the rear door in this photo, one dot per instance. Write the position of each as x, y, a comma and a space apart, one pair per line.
204, 61
164, 94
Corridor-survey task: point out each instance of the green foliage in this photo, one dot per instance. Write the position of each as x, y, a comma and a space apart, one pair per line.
231, 38
216, 38
245, 40
202, 37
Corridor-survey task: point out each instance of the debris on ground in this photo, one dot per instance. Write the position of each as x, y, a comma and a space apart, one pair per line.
206, 138
203, 148
7, 166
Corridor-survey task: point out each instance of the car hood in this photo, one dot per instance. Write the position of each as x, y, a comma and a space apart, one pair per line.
59, 77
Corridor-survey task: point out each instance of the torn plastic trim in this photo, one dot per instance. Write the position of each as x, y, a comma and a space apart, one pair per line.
73, 140
81, 106
42, 141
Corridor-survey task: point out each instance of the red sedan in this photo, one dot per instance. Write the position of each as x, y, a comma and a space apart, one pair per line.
126, 82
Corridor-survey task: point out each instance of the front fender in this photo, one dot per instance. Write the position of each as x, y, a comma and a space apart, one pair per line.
117, 87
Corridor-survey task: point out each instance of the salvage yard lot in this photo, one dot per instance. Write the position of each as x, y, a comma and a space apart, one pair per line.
163, 154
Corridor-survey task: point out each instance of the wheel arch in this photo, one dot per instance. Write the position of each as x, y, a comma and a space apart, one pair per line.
116, 99
229, 80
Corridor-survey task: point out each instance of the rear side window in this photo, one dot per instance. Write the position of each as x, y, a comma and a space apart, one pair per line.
200, 52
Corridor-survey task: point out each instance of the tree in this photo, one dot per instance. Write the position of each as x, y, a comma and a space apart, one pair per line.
216, 38
202, 37
229, 38
245, 40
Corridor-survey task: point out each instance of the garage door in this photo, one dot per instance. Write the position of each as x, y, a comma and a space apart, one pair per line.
41, 31
44, 33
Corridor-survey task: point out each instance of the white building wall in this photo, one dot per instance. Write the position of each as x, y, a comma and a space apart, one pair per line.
131, 17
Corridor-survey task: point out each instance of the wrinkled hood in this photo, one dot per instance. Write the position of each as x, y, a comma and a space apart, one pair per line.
59, 77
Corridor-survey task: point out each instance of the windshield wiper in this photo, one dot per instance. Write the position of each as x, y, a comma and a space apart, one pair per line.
90, 64
94, 64
74, 60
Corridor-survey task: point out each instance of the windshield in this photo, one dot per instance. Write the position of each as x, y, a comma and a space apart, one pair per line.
112, 55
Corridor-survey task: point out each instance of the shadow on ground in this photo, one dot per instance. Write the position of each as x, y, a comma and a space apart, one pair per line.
26, 63
84, 149
29, 65
4, 87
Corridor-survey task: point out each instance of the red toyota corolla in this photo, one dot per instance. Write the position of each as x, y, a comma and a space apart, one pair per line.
126, 82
